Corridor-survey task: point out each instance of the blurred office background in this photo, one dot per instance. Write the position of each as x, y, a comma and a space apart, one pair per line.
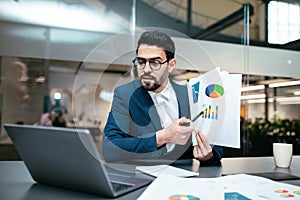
74, 52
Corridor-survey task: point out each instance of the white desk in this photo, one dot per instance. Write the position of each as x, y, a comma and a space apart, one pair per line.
17, 184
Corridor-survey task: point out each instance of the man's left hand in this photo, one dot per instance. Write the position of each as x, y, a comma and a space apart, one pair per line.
203, 150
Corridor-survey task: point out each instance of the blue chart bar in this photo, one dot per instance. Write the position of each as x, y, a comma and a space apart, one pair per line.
195, 91
209, 114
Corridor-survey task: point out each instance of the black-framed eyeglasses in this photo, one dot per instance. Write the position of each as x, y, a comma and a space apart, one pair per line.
140, 63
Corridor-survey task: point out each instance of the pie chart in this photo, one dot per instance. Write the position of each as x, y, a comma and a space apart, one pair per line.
214, 91
297, 192
183, 197
281, 191
287, 195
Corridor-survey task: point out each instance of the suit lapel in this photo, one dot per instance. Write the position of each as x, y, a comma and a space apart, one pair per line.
145, 104
183, 105
155, 117
182, 98
141, 102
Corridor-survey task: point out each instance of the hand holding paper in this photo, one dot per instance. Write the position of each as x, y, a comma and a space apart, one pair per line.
202, 151
175, 132
217, 94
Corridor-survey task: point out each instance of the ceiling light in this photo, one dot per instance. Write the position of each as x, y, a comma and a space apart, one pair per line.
250, 101
282, 84
253, 96
57, 95
288, 99
256, 101
297, 93
279, 100
253, 87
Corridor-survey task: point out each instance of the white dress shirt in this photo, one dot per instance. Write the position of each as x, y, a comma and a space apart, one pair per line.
167, 107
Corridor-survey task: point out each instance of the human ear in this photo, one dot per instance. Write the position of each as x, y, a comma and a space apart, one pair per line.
172, 64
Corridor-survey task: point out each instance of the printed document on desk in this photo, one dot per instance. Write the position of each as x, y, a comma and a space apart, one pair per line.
258, 188
157, 170
226, 187
218, 95
172, 187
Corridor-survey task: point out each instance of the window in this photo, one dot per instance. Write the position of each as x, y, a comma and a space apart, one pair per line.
283, 22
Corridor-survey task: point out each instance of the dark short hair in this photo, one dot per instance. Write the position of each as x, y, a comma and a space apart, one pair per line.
159, 39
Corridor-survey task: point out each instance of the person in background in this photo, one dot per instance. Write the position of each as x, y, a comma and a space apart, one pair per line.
46, 119
147, 116
55, 117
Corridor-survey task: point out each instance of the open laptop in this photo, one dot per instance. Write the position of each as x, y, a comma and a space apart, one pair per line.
68, 158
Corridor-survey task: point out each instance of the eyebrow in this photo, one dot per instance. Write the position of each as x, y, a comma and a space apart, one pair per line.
154, 58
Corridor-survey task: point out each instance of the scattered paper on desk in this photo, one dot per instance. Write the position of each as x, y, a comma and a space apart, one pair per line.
157, 170
259, 188
183, 188
240, 186
218, 94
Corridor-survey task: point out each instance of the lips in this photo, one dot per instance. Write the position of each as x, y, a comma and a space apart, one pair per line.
147, 78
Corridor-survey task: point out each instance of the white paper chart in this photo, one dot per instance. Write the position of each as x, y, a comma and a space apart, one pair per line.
217, 95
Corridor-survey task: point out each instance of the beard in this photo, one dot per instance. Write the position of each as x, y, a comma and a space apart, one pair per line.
149, 82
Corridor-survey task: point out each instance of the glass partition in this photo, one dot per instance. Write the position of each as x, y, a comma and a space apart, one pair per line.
77, 68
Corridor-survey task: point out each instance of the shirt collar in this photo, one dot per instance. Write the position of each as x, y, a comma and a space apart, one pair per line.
165, 93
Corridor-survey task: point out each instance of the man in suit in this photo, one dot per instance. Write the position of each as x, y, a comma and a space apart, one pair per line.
149, 115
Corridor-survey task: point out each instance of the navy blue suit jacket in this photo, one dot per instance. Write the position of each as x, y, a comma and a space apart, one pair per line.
130, 131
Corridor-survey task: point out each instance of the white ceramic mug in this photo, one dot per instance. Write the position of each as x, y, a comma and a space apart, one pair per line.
283, 154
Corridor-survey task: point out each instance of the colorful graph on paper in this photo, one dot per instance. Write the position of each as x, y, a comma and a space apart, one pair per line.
195, 91
209, 113
235, 196
207, 95
183, 197
283, 193
217, 95
214, 91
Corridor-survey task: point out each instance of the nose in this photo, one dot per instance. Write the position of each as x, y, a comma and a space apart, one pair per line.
147, 68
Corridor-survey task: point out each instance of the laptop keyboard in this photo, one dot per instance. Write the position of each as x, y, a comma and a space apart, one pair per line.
120, 186
117, 177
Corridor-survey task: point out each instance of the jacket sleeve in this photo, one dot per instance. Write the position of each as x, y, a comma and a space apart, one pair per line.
118, 143
216, 159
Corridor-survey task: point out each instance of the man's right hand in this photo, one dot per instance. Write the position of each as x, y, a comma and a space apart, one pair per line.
175, 132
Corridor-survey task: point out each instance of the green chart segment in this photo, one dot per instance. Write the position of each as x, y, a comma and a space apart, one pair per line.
211, 114
214, 91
